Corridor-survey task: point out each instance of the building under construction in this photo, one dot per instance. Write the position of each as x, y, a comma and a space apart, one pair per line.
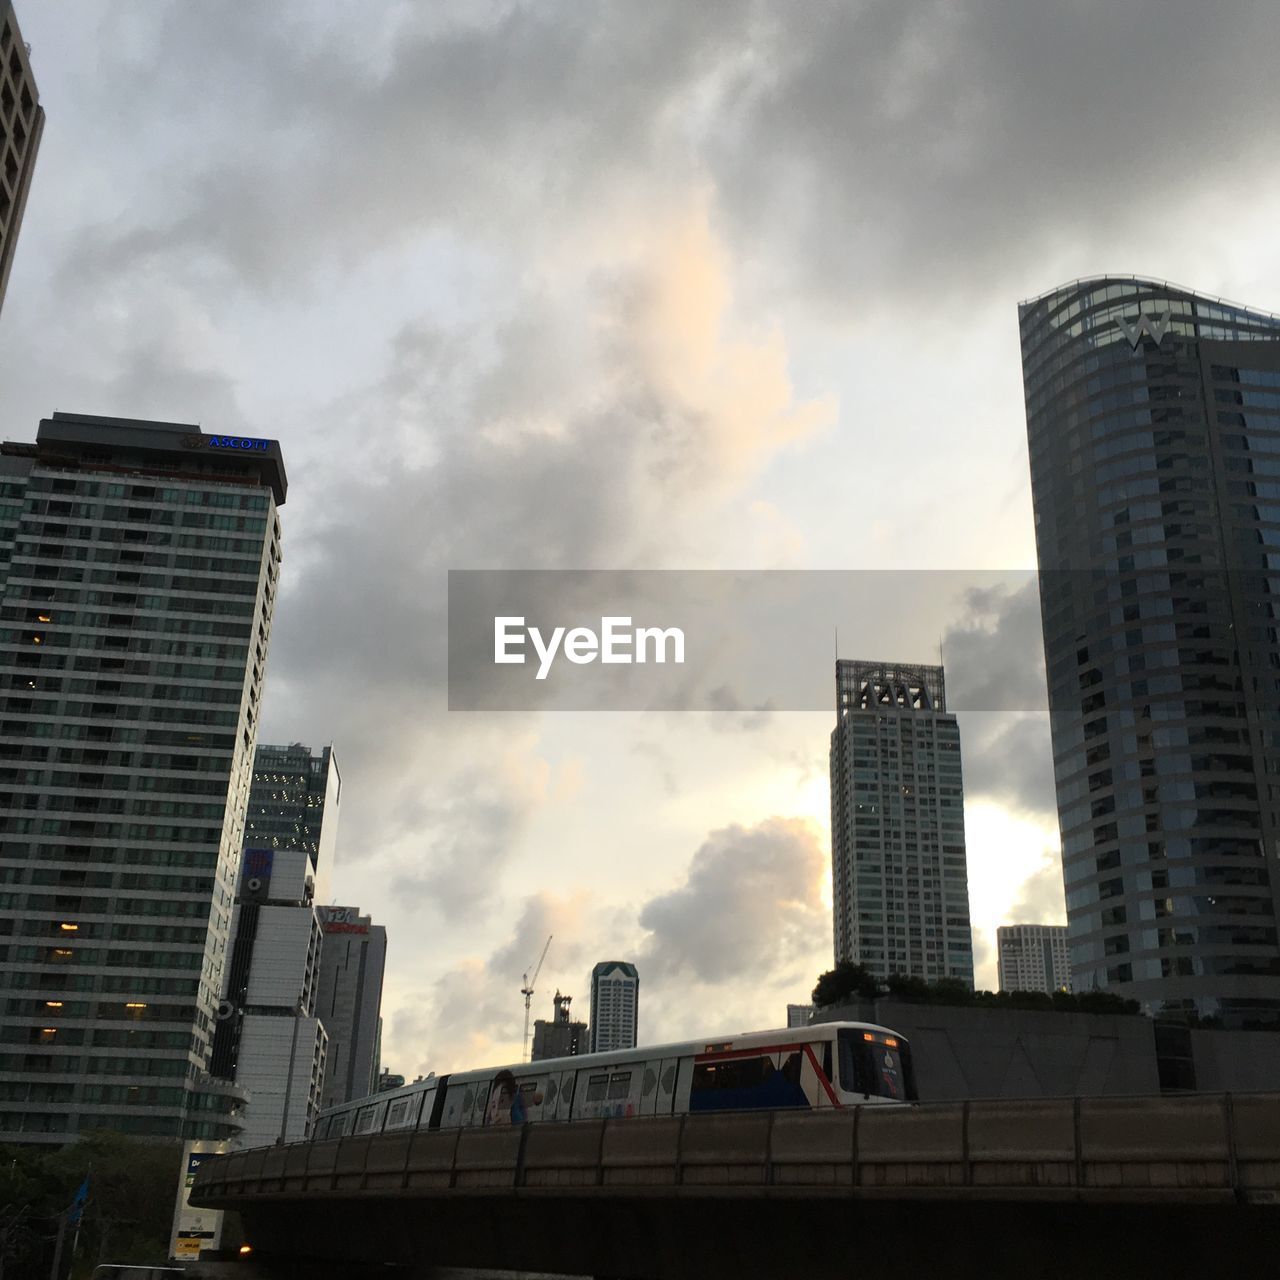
561, 1037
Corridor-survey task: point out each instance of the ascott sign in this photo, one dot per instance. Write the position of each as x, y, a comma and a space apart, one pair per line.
238, 442
250, 443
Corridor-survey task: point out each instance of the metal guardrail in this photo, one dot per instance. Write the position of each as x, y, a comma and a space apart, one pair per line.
1191, 1148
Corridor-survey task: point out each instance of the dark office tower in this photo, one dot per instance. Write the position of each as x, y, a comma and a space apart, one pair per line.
139, 564
899, 876
561, 1037
1153, 416
349, 1003
21, 123
293, 804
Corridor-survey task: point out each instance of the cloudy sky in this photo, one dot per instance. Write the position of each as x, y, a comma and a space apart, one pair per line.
726, 285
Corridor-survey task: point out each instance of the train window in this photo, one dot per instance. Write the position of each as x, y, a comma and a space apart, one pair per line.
874, 1065
468, 1099
620, 1085
568, 1090
650, 1081
669, 1078
364, 1119
397, 1112
736, 1073
550, 1099
739, 1083
596, 1087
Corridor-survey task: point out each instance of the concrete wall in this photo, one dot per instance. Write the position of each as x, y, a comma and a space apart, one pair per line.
1235, 1061
1012, 1053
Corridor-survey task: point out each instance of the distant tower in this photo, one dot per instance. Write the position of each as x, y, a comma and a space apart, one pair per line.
352, 962
615, 1005
1033, 957
559, 1038
293, 804
21, 124
268, 1038
901, 890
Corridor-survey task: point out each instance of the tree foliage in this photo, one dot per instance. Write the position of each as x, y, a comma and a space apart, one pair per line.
848, 981
127, 1215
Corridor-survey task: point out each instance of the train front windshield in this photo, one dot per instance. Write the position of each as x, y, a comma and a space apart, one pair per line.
876, 1065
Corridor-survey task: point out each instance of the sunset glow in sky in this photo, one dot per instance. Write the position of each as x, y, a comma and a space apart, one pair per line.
728, 285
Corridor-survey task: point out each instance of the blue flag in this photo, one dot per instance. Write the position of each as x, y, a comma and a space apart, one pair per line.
76, 1211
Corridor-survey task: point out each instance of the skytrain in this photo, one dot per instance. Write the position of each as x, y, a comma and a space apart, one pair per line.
831, 1064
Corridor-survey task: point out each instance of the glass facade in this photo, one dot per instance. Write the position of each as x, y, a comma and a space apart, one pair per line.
1153, 419
293, 804
138, 573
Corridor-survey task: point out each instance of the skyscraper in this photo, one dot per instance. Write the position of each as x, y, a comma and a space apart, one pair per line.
268, 1038
293, 804
139, 564
615, 1006
900, 878
21, 124
352, 962
1033, 957
1153, 418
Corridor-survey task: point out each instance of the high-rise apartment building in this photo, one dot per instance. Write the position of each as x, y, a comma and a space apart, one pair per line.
268, 1038
1033, 957
139, 564
799, 1015
615, 1006
21, 124
1153, 418
901, 889
352, 962
293, 804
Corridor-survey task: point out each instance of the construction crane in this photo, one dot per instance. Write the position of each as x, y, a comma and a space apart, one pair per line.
527, 992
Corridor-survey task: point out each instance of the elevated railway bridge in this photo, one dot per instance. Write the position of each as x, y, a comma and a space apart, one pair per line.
1170, 1185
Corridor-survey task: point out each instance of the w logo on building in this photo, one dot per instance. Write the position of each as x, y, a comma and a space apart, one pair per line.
1154, 329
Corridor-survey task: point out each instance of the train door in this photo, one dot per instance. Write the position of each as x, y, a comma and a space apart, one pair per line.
664, 1103
559, 1105
457, 1104
649, 1088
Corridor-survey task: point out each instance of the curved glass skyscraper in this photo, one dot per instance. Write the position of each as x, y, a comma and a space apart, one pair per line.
1153, 416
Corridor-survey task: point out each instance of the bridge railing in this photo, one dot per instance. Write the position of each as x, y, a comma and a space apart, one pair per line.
1191, 1147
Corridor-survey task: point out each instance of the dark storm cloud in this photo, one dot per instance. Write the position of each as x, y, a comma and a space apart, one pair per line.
993, 653
994, 658
900, 146
871, 147
750, 904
